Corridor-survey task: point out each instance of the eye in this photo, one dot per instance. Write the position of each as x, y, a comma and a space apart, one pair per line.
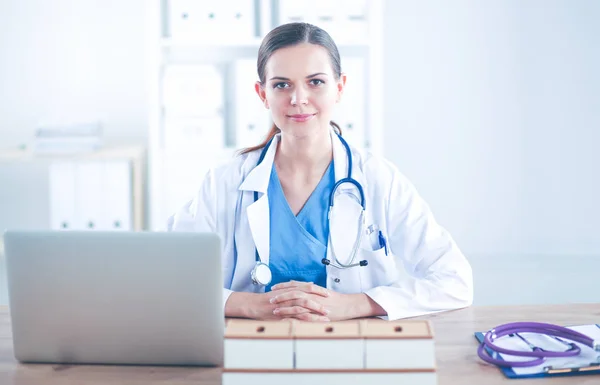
317, 82
281, 85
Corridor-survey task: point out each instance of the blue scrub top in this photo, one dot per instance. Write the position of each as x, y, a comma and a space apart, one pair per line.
299, 243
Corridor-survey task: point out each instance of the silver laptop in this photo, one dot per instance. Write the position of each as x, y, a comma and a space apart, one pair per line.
115, 297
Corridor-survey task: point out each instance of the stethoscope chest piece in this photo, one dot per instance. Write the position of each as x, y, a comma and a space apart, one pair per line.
261, 274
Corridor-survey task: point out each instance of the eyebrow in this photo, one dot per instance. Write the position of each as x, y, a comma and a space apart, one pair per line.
308, 77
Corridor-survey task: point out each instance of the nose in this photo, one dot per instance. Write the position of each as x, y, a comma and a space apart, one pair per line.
299, 96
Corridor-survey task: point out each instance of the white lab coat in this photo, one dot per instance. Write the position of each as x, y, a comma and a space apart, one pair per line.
423, 272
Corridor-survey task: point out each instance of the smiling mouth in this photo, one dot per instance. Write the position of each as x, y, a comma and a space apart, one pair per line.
300, 117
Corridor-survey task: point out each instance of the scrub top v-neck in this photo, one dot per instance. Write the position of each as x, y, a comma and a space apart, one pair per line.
299, 243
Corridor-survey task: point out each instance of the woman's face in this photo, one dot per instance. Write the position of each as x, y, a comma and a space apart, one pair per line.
300, 89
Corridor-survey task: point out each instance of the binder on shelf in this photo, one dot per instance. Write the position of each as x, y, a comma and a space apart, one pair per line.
350, 113
89, 197
116, 185
192, 91
62, 196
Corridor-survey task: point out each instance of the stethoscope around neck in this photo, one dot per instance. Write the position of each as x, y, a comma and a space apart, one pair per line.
261, 273
537, 354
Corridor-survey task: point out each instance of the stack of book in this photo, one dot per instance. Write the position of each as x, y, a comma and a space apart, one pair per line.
66, 139
348, 353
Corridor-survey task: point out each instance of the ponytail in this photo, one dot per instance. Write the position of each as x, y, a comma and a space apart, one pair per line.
274, 131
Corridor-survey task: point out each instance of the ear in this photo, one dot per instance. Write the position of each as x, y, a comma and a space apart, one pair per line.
341, 85
260, 91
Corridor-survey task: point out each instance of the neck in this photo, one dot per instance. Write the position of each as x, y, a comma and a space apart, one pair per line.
305, 154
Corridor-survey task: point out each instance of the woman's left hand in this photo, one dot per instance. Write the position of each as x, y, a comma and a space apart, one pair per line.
288, 296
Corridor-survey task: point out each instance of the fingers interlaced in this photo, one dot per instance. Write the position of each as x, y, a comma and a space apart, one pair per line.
306, 287
309, 305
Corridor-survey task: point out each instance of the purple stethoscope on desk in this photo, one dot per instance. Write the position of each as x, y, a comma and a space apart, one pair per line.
539, 354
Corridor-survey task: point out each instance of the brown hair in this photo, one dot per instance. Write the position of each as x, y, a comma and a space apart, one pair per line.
287, 35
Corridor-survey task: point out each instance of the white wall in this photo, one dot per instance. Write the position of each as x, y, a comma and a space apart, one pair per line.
72, 60
493, 111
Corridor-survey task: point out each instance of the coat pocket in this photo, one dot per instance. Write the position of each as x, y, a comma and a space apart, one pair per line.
381, 266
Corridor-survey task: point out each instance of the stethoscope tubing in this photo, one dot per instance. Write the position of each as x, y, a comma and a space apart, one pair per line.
539, 354
348, 179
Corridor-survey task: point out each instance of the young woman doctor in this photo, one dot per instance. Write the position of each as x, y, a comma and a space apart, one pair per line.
284, 254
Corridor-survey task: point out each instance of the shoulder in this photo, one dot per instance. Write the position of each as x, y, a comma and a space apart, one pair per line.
232, 172
376, 168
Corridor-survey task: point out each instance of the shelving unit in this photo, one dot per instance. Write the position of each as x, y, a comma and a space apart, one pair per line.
184, 34
93, 190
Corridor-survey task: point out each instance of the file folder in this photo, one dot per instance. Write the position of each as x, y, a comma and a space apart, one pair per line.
62, 196
89, 197
118, 197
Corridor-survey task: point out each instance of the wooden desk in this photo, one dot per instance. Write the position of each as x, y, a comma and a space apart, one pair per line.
455, 350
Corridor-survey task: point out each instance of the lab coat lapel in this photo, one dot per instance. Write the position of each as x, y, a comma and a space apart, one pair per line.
258, 220
258, 212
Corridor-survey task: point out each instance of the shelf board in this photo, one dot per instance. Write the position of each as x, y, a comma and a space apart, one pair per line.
190, 43
251, 43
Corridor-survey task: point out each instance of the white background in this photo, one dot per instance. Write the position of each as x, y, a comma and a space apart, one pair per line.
492, 108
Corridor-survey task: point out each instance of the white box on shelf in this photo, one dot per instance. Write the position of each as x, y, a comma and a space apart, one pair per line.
208, 22
355, 21
192, 91
239, 17
258, 345
199, 134
193, 20
406, 345
325, 14
252, 119
317, 343
291, 11
350, 113
62, 195
345, 21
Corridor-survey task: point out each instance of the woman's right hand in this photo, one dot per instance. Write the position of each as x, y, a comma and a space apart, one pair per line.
259, 306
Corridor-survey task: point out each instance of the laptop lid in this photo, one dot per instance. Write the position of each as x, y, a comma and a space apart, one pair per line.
115, 297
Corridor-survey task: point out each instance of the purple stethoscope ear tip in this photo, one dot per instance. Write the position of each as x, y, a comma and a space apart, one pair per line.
488, 350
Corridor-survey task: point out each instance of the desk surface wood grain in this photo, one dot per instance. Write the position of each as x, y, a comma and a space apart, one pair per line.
456, 355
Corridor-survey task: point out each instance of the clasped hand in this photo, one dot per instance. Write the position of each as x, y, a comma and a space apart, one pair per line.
306, 301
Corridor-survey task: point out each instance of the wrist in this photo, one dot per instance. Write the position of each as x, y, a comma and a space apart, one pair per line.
240, 305
363, 306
